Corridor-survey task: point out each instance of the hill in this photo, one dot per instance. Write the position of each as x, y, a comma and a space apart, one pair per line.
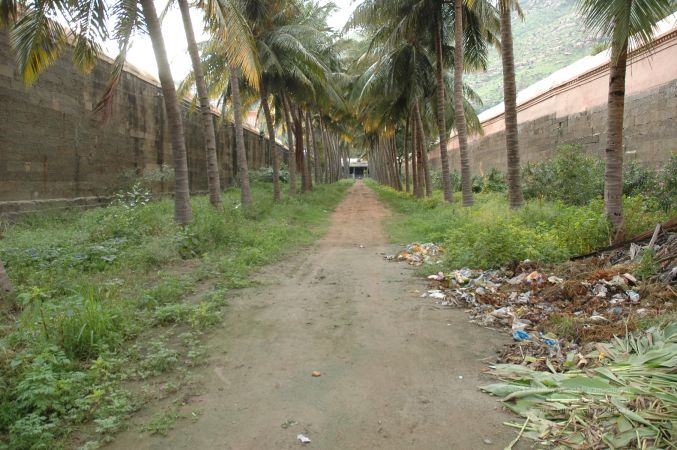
551, 36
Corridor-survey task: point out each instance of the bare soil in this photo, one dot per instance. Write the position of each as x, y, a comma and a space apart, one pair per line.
395, 372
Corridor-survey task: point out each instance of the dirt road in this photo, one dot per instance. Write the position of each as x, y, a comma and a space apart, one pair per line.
396, 373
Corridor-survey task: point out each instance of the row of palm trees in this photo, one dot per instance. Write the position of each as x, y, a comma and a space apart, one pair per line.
384, 90
277, 53
395, 93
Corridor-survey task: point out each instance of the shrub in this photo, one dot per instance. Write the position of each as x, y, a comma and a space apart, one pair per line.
667, 185
265, 174
571, 177
494, 181
436, 180
639, 179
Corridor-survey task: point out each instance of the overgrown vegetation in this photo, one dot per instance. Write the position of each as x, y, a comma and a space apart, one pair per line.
576, 178
626, 401
563, 217
90, 283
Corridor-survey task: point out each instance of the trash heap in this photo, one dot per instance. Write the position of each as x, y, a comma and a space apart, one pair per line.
591, 300
573, 381
418, 254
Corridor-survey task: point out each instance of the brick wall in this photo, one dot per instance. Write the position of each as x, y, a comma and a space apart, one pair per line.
55, 152
574, 112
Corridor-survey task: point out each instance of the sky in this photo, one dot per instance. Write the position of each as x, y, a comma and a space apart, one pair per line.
141, 54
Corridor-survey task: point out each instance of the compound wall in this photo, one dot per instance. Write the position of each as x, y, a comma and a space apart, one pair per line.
56, 152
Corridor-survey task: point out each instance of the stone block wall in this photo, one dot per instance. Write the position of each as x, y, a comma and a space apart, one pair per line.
575, 112
55, 151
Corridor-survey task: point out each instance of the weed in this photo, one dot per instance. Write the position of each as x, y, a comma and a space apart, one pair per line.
159, 358
162, 422
647, 266
90, 282
490, 235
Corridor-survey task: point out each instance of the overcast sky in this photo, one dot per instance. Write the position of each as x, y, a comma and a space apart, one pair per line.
141, 54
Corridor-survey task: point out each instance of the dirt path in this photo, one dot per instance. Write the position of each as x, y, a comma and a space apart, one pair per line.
391, 365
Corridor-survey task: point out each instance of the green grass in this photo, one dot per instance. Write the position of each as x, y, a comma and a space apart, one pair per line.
91, 283
490, 235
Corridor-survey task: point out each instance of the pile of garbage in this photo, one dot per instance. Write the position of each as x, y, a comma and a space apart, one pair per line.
628, 400
585, 301
418, 254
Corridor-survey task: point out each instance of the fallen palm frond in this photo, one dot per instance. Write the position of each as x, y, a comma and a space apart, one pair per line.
630, 399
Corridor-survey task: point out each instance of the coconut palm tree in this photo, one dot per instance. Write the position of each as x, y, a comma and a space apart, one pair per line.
183, 213
213, 181
515, 195
242, 166
408, 22
618, 21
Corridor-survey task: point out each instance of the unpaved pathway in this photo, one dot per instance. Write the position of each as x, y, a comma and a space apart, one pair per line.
396, 373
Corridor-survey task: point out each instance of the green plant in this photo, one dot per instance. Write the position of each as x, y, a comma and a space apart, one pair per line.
647, 267
90, 283
639, 179
571, 176
159, 358
265, 174
162, 422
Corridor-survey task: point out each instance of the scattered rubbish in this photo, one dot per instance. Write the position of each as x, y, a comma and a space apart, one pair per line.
316, 373
521, 335
303, 439
418, 254
288, 423
634, 296
591, 300
555, 280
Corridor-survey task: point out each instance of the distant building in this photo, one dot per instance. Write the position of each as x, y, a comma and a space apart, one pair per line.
358, 167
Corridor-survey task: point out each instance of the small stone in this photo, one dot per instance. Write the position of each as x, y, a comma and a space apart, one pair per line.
488, 441
316, 373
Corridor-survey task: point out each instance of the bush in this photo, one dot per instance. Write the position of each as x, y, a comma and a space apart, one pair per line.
571, 177
436, 180
489, 235
494, 181
639, 179
265, 174
667, 185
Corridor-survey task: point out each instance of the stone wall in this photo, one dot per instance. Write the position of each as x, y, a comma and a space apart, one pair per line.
573, 111
55, 152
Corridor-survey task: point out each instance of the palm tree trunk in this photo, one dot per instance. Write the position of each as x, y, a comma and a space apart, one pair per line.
414, 158
183, 213
406, 157
613, 172
213, 181
461, 127
515, 196
441, 114
423, 155
271, 144
306, 153
6, 290
297, 118
243, 169
316, 152
290, 143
